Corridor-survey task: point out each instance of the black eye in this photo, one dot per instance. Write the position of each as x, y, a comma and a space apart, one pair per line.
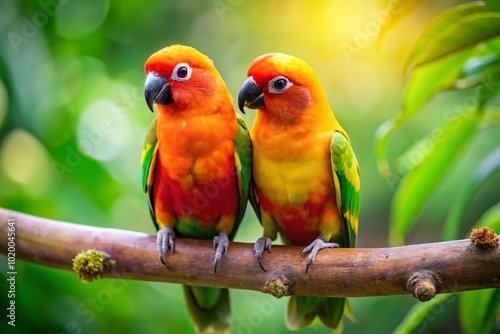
182, 72
279, 85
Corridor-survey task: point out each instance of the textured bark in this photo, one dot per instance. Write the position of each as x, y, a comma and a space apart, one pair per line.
422, 270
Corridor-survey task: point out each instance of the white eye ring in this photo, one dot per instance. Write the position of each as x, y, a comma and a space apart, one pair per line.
182, 72
279, 85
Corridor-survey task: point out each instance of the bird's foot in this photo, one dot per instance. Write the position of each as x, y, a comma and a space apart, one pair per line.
262, 244
221, 243
165, 240
315, 247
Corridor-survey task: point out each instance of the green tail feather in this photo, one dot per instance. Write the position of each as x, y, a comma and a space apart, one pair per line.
208, 308
302, 310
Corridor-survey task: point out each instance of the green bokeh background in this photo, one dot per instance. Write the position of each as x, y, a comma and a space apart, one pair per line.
73, 120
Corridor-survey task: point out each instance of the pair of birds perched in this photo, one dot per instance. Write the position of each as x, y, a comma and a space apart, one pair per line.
201, 165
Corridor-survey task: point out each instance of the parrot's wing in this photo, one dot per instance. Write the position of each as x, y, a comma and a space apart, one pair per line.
148, 165
347, 181
243, 164
254, 200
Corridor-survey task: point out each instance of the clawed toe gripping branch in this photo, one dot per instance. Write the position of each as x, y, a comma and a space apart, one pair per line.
422, 270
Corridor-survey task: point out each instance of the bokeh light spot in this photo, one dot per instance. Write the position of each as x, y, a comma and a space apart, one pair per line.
79, 18
25, 160
103, 130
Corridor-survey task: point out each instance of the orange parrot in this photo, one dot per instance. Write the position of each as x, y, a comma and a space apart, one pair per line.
306, 176
196, 165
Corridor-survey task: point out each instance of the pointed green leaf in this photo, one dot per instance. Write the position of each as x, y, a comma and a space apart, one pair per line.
421, 181
431, 78
484, 62
489, 165
457, 29
477, 310
382, 135
464, 69
396, 11
478, 65
475, 74
416, 316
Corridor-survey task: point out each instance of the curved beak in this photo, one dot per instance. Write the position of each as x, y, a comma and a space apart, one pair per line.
250, 96
157, 90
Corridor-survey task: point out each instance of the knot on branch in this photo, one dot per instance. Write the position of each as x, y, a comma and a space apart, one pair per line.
279, 287
423, 286
483, 237
91, 264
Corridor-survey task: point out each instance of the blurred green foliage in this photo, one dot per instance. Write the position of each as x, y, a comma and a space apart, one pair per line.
458, 51
73, 120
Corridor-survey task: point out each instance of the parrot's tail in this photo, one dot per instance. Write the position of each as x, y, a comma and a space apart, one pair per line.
208, 308
302, 310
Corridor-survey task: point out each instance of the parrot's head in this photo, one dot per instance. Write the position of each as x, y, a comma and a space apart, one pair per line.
180, 78
282, 85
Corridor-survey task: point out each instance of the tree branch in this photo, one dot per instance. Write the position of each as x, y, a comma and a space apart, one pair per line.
422, 270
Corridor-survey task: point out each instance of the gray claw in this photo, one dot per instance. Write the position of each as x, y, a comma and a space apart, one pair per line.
315, 246
165, 240
221, 242
262, 244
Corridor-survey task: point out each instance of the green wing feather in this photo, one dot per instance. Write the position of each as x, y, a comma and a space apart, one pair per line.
347, 181
254, 200
148, 163
243, 164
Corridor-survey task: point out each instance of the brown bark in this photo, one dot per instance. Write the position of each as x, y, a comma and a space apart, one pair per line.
422, 270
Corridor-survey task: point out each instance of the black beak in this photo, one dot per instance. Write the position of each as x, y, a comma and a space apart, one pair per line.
157, 90
250, 96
